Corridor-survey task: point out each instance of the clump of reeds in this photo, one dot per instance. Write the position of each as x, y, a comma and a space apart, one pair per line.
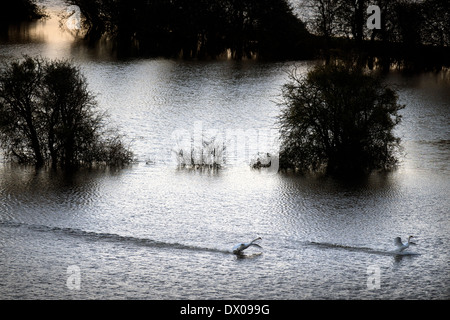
209, 154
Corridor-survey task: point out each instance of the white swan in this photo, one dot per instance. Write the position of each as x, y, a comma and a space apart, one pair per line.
237, 249
402, 246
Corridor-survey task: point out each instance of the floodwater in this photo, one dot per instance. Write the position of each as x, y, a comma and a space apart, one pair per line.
157, 231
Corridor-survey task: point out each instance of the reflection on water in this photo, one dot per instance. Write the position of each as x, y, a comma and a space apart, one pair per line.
156, 231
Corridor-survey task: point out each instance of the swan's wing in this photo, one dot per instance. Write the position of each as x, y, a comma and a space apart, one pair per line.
241, 247
398, 242
238, 247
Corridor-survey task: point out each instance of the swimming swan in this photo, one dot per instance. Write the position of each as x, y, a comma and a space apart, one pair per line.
402, 246
237, 249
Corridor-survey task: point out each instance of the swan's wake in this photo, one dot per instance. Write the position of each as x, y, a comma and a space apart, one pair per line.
327, 245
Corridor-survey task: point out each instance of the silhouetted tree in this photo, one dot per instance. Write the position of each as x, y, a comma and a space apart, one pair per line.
19, 126
435, 28
351, 19
338, 119
408, 23
48, 115
322, 17
279, 33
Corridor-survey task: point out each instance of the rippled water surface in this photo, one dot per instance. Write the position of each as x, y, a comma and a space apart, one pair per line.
155, 231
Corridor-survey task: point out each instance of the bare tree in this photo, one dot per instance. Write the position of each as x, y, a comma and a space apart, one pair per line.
336, 18
19, 108
48, 115
436, 22
321, 16
338, 119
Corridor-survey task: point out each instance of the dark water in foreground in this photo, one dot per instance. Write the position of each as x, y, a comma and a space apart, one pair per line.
153, 231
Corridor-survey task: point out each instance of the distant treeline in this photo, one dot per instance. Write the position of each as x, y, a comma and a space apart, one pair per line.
411, 33
198, 28
410, 22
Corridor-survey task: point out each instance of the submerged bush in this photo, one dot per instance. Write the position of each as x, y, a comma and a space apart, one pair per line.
48, 116
338, 119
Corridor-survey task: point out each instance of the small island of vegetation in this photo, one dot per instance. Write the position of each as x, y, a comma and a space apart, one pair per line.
338, 119
49, 117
